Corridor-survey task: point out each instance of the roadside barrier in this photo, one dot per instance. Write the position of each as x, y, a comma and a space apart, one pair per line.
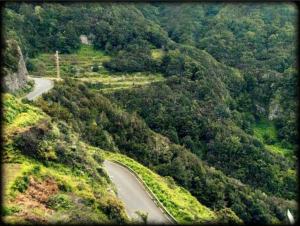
153, 196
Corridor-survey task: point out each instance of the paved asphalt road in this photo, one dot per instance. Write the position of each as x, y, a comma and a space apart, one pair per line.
42, 85
134, 196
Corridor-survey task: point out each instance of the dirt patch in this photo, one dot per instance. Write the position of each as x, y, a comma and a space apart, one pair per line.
38, 194
21, 130
10, 132
36, 197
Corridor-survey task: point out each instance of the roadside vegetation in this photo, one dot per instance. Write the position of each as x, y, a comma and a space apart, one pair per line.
177, 200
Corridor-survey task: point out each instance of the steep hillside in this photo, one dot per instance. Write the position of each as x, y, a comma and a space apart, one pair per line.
106, 125
258, 39
50, 176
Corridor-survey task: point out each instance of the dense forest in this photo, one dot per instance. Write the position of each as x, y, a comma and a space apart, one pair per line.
230, 76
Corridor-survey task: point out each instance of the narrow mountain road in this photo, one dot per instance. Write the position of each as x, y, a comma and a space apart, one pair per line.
42, 85
134, 196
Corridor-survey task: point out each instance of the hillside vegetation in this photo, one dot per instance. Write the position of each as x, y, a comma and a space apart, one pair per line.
203, 94
50, 176
110, 127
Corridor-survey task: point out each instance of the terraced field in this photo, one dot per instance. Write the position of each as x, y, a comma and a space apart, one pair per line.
86, 64
126, 81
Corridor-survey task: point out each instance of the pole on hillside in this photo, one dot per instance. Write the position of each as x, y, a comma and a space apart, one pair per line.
57, 64
290, 216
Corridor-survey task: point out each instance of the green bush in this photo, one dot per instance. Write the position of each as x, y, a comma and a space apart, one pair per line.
227, 216
115, 210
20, 184
31, 65
64, 187
80, 186
9, 210
60, 201
26, 101
99, 157
95, 68
72, 70
11, 57
268, 139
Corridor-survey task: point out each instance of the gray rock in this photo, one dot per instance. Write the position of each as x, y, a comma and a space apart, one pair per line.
17, 80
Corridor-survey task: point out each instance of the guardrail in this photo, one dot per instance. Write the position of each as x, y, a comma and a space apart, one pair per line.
153, 196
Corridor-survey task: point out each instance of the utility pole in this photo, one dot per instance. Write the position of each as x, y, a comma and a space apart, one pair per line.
57, 64
290, 216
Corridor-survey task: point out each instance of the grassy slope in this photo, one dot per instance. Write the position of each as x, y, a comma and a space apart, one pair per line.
264, 127
77, 199
178, 201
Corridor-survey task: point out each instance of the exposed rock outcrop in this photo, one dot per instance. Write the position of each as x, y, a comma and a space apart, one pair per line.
84, 40
14, 81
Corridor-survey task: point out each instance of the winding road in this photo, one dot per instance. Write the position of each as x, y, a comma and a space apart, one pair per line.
42, 85
130, 191
134, 196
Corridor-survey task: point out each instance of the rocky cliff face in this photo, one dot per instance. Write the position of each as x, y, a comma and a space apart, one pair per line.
14, 81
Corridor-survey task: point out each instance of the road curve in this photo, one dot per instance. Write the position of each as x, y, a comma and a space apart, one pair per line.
42, 85
134, 196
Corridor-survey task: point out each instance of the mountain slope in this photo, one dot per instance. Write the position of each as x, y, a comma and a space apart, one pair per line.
57, 178
110, 127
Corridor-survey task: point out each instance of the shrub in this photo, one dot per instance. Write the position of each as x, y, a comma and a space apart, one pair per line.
62, 186
11, 57
143, 215
115, 210
59, 202
81, 186
20, 184
99, 157
95, 68
9, 210
26, 101
227, 216
27, 143
268, 139
31, 65
72, 70
41, 68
